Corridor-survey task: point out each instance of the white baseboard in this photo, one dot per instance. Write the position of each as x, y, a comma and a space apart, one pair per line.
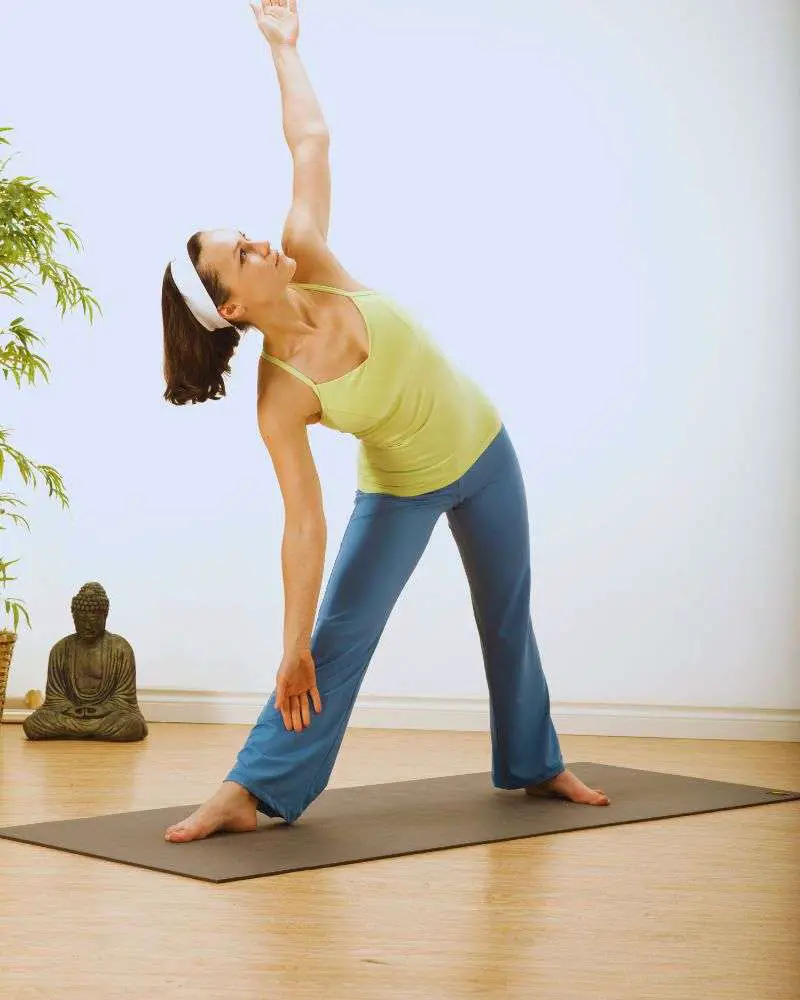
472, 715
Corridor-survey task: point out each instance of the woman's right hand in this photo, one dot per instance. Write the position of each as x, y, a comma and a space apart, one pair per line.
277, 20
296, 682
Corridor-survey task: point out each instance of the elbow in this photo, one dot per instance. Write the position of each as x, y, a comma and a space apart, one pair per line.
306, 523
317, 135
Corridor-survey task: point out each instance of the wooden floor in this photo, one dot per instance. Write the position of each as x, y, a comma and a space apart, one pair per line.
699, 907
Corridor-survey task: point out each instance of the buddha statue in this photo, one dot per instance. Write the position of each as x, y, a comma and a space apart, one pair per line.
91, 680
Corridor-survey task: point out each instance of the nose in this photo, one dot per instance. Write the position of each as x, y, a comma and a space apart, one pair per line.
264, 247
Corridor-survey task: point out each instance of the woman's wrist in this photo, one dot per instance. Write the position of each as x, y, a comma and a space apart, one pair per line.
295, 648
277, 49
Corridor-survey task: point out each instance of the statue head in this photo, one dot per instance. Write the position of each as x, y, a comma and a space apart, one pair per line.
90, 610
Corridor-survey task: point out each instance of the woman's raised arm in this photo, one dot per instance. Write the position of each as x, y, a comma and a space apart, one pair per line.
304, 126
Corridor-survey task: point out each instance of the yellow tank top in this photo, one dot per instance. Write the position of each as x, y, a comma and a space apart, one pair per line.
421, 422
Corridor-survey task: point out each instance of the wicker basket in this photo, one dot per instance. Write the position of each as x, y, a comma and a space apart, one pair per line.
7, 640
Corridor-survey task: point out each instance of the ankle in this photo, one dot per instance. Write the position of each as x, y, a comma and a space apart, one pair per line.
241, 792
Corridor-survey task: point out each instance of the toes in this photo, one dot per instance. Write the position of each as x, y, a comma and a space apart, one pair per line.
180, 831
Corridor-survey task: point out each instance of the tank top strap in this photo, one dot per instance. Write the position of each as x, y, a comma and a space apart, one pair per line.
285, 364
292, 371
330, 288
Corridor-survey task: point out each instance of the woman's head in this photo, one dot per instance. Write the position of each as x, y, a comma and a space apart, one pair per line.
243, 278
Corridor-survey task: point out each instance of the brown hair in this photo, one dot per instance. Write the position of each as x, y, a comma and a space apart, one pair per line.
195, 359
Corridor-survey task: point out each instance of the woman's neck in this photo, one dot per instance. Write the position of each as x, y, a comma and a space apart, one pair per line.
288, 323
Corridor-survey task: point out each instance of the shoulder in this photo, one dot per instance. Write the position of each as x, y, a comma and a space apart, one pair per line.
316, 262
282, 398
119, 643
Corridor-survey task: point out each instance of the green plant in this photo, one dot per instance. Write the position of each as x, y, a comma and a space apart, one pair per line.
28, 235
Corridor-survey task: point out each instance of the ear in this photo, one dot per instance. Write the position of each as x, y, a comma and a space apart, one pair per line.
231, 311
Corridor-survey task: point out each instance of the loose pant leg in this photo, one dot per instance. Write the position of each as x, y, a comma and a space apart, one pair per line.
490, 526
381, 546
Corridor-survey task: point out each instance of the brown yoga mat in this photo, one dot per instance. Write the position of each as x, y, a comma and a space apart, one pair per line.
345, 825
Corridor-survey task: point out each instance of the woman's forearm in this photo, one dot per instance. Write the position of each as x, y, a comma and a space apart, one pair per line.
303, 560
302, 115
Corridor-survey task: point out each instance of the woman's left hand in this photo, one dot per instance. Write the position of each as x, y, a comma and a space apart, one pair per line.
277, 20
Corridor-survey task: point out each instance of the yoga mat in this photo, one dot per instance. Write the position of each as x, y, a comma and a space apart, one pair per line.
346, 825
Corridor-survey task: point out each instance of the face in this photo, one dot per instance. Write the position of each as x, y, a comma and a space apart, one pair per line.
256, 272
90, 623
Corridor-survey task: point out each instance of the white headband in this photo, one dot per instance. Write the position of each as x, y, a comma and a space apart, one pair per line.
194, 293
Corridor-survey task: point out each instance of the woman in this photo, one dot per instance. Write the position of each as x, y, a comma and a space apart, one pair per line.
349, 357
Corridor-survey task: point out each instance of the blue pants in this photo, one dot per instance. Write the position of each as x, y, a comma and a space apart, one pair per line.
383, 542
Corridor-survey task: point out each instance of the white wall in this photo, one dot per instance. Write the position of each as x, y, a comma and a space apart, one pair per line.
593, 207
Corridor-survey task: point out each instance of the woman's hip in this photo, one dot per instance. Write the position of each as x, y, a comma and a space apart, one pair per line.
497, 463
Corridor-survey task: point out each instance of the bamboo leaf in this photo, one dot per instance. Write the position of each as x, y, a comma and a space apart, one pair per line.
29, 236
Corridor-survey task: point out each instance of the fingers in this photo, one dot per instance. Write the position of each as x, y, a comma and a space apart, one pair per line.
282, 706
292, 712
297, 721
289, 711
288, 5
295, 709
265, 6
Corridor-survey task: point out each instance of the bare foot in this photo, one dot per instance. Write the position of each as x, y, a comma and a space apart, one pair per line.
231, 808
569, 786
